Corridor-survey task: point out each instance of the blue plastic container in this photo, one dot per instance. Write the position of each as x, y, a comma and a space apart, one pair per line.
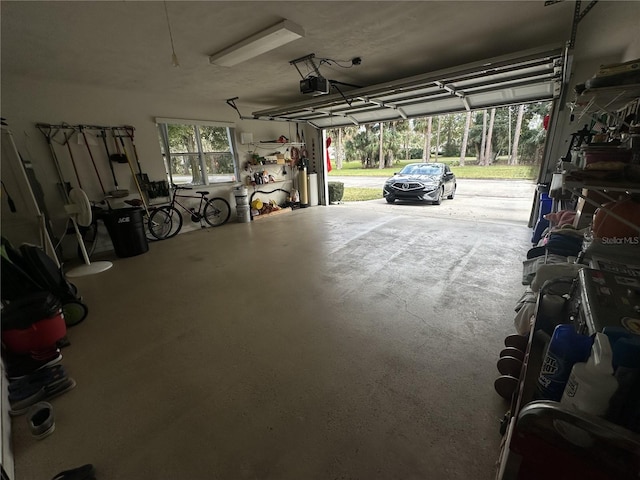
566, 348
546, 203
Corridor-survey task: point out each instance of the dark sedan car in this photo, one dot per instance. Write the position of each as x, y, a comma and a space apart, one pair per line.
421, 181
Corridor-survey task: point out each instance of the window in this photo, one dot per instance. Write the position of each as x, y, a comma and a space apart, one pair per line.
196, 152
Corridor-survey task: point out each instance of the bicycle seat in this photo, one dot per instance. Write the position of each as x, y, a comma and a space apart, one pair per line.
202, 192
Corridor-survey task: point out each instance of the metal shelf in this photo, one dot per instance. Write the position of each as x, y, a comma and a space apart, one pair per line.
607, 100
604, 187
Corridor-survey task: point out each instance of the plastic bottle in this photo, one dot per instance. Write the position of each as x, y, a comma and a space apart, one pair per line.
592, 384
565, 348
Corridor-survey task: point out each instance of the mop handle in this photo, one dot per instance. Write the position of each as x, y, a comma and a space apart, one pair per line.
95, 167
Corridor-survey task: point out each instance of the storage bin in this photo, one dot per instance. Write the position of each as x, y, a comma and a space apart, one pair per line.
126, 229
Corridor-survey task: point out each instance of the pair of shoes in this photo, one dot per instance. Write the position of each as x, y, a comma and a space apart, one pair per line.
45, 392
85, 472
41, 420
18, 367
20, 388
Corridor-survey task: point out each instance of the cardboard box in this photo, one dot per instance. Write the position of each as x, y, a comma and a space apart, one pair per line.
585, 209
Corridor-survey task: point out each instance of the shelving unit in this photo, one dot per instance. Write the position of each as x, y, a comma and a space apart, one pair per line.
543, 438
604, 188
274, 169
605, 100
613, 103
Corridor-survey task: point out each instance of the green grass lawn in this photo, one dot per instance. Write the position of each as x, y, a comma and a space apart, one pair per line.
357, 194
496, 171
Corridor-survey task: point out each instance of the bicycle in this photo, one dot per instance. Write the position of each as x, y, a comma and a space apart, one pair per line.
166, 221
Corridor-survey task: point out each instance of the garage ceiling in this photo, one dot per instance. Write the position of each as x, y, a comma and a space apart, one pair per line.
529, 77
125, 45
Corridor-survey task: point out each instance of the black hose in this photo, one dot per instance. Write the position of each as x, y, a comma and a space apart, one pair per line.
262, 191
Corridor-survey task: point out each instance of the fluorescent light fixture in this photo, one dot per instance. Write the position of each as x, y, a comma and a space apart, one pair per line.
262, 42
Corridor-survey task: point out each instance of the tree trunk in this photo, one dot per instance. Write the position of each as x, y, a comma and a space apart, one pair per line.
339, 149
516, 136
438, 137
426, 153
481, 159
465, 139
488, 151
381, 152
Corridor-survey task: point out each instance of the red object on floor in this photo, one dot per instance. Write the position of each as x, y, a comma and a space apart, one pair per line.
39, 336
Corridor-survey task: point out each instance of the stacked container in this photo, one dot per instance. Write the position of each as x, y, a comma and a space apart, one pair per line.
242, 204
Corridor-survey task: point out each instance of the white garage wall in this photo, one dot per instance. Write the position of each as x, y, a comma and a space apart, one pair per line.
26, 102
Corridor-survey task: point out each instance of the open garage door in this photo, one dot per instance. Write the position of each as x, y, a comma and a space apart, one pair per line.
521, 78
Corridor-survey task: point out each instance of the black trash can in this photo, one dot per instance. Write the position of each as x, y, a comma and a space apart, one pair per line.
126, 229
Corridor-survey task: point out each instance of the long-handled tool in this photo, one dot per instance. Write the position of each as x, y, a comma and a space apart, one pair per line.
135, 179
48, 135
143, 178
117, 193
95, 167
73, 162
118, 157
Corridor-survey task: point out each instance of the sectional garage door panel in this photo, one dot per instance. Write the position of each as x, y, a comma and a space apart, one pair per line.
520, 78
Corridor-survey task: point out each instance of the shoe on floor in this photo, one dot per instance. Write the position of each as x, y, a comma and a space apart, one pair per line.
85, 472
21, 366
41, 420
41, 378
21, 406
43, 394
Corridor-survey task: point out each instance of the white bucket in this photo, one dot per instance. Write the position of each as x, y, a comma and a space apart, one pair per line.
240, 192
244, 214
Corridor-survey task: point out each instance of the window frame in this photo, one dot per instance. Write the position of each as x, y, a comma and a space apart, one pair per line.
162, 126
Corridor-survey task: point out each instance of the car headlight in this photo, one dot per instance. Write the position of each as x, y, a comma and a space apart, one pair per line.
429, 188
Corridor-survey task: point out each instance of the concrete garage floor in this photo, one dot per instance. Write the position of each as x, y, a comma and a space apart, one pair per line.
342, 342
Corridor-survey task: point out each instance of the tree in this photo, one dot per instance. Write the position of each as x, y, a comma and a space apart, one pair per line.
381, 150
423, 126
465, 138
182, 140
438, 137
362, 146
483, 142
488, 156
339, 148
516, 137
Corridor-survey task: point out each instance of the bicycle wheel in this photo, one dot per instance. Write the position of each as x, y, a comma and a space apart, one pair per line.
217, 212
89, 238
165, 222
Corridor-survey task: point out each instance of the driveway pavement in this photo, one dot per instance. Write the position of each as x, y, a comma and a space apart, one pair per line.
483, 188
501, 201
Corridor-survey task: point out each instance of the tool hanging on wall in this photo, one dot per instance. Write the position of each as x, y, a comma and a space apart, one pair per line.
117, 193
133, 173
73, 162
143, 178
47, 130
95, 167
117, 157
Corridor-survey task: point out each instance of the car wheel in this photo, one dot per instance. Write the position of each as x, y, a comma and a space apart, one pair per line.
390, 199
452, 194
438, 200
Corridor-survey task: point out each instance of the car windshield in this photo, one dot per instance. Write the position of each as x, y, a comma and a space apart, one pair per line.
422, 169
